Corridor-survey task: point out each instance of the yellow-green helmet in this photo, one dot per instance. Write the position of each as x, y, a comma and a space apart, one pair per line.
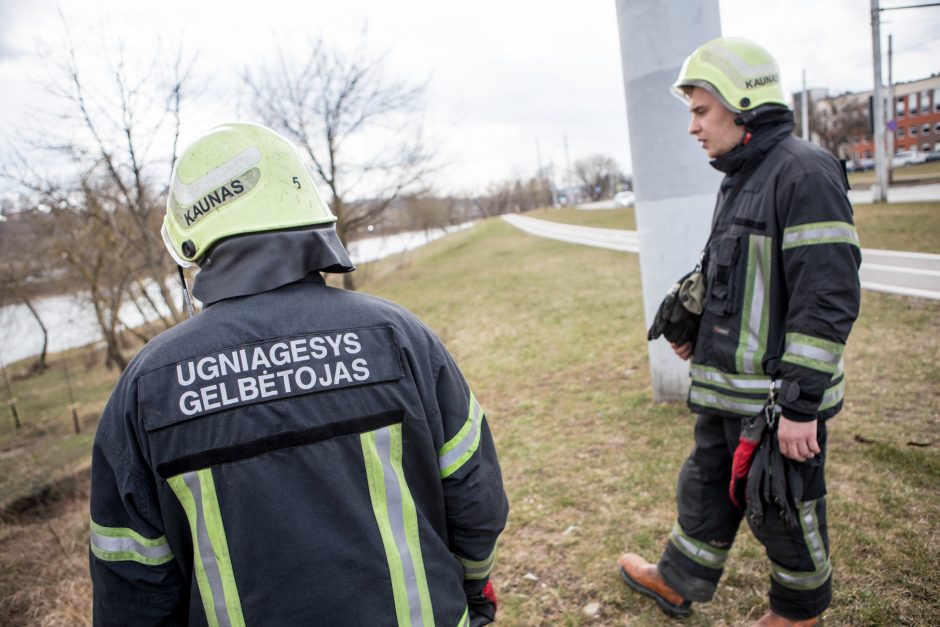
737, 71
238, 178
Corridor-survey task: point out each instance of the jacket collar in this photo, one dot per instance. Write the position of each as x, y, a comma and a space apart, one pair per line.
766, 130
260, 262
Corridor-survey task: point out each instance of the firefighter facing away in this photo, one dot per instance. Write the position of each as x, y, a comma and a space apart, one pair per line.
294, 454
780, 286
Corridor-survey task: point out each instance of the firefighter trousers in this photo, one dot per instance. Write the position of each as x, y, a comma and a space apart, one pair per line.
708, 521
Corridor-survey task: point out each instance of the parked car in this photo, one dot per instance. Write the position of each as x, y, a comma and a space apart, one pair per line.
934, 156
861, 165
907, 157
624, 199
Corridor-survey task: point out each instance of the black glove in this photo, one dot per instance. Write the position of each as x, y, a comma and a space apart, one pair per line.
482, 606
680, 312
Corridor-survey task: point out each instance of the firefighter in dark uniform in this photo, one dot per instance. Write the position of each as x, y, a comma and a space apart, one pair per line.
294, 454
780, 274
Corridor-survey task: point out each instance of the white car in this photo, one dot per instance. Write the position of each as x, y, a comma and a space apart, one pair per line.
907, 157
624, 199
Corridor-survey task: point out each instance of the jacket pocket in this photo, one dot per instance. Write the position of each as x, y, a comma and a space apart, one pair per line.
722, 270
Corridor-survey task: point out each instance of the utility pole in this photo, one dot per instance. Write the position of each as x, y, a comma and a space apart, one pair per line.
674, 184
891, 115
804, 109
880, 188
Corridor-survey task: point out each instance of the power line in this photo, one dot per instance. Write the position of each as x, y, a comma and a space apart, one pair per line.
911, 6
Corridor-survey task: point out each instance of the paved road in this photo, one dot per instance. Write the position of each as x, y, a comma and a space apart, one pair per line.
900, 193
909, 274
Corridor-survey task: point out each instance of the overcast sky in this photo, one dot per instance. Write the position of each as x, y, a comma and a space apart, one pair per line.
508, 80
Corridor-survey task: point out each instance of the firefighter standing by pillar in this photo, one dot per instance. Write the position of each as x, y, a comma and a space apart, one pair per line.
781, 292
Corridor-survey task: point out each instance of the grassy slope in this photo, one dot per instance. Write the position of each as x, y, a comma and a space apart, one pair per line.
551, 337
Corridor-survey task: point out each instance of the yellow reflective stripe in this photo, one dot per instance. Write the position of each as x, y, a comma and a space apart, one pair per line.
214, 573
465, 619
455, 453
742, 383
732, 404
832, 396
755, 317
813, 352
477, 569
397, 519
697, 551
819, 233
120, 544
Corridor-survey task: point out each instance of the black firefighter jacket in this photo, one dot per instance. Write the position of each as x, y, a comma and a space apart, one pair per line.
299, 456
781, 269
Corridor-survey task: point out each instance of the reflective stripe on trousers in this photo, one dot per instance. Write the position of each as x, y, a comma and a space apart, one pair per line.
214, 574
814, 544
697, 551
397, 520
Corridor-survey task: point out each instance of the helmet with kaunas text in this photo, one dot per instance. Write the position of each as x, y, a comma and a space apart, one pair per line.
236, 179
741, 74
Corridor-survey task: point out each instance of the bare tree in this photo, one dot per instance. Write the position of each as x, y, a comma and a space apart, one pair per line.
20, 270
597, 175
514, 196
359, 128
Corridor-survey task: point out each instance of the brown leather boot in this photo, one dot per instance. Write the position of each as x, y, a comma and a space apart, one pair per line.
645, 579
776, 620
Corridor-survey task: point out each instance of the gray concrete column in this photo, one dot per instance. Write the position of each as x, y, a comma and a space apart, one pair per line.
674, 184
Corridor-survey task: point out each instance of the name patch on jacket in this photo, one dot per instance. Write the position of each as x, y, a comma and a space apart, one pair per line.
266, 371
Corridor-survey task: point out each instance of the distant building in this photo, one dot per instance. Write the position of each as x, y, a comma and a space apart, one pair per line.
914, 120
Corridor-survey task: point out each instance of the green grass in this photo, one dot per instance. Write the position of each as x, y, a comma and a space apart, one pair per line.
898, 226
920, 173
552, 340
902, 226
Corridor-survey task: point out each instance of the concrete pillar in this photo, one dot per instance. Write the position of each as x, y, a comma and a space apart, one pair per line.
674, 184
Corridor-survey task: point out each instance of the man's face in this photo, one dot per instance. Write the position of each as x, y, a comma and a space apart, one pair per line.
713, 124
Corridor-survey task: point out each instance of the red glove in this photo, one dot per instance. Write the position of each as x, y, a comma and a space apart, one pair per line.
482, 606
752, 428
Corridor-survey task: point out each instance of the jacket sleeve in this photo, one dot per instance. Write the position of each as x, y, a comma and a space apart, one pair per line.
821, 258
135, 577
475, 501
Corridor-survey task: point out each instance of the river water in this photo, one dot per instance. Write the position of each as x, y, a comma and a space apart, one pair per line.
71, 321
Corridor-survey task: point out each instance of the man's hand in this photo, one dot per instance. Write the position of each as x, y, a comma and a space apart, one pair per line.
797, 439
684, 351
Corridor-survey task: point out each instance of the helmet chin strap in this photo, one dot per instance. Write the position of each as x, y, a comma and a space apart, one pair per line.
187, 297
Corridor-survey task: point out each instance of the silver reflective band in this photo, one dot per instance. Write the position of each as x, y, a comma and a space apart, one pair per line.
814, 542
708, 398
393, 495
819, 233
755, 320
813, 352
833, 395
736, 382
461, 447
697, 551
206, 552
477, 569
118, 544
746, 69
817, 552
188, 193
